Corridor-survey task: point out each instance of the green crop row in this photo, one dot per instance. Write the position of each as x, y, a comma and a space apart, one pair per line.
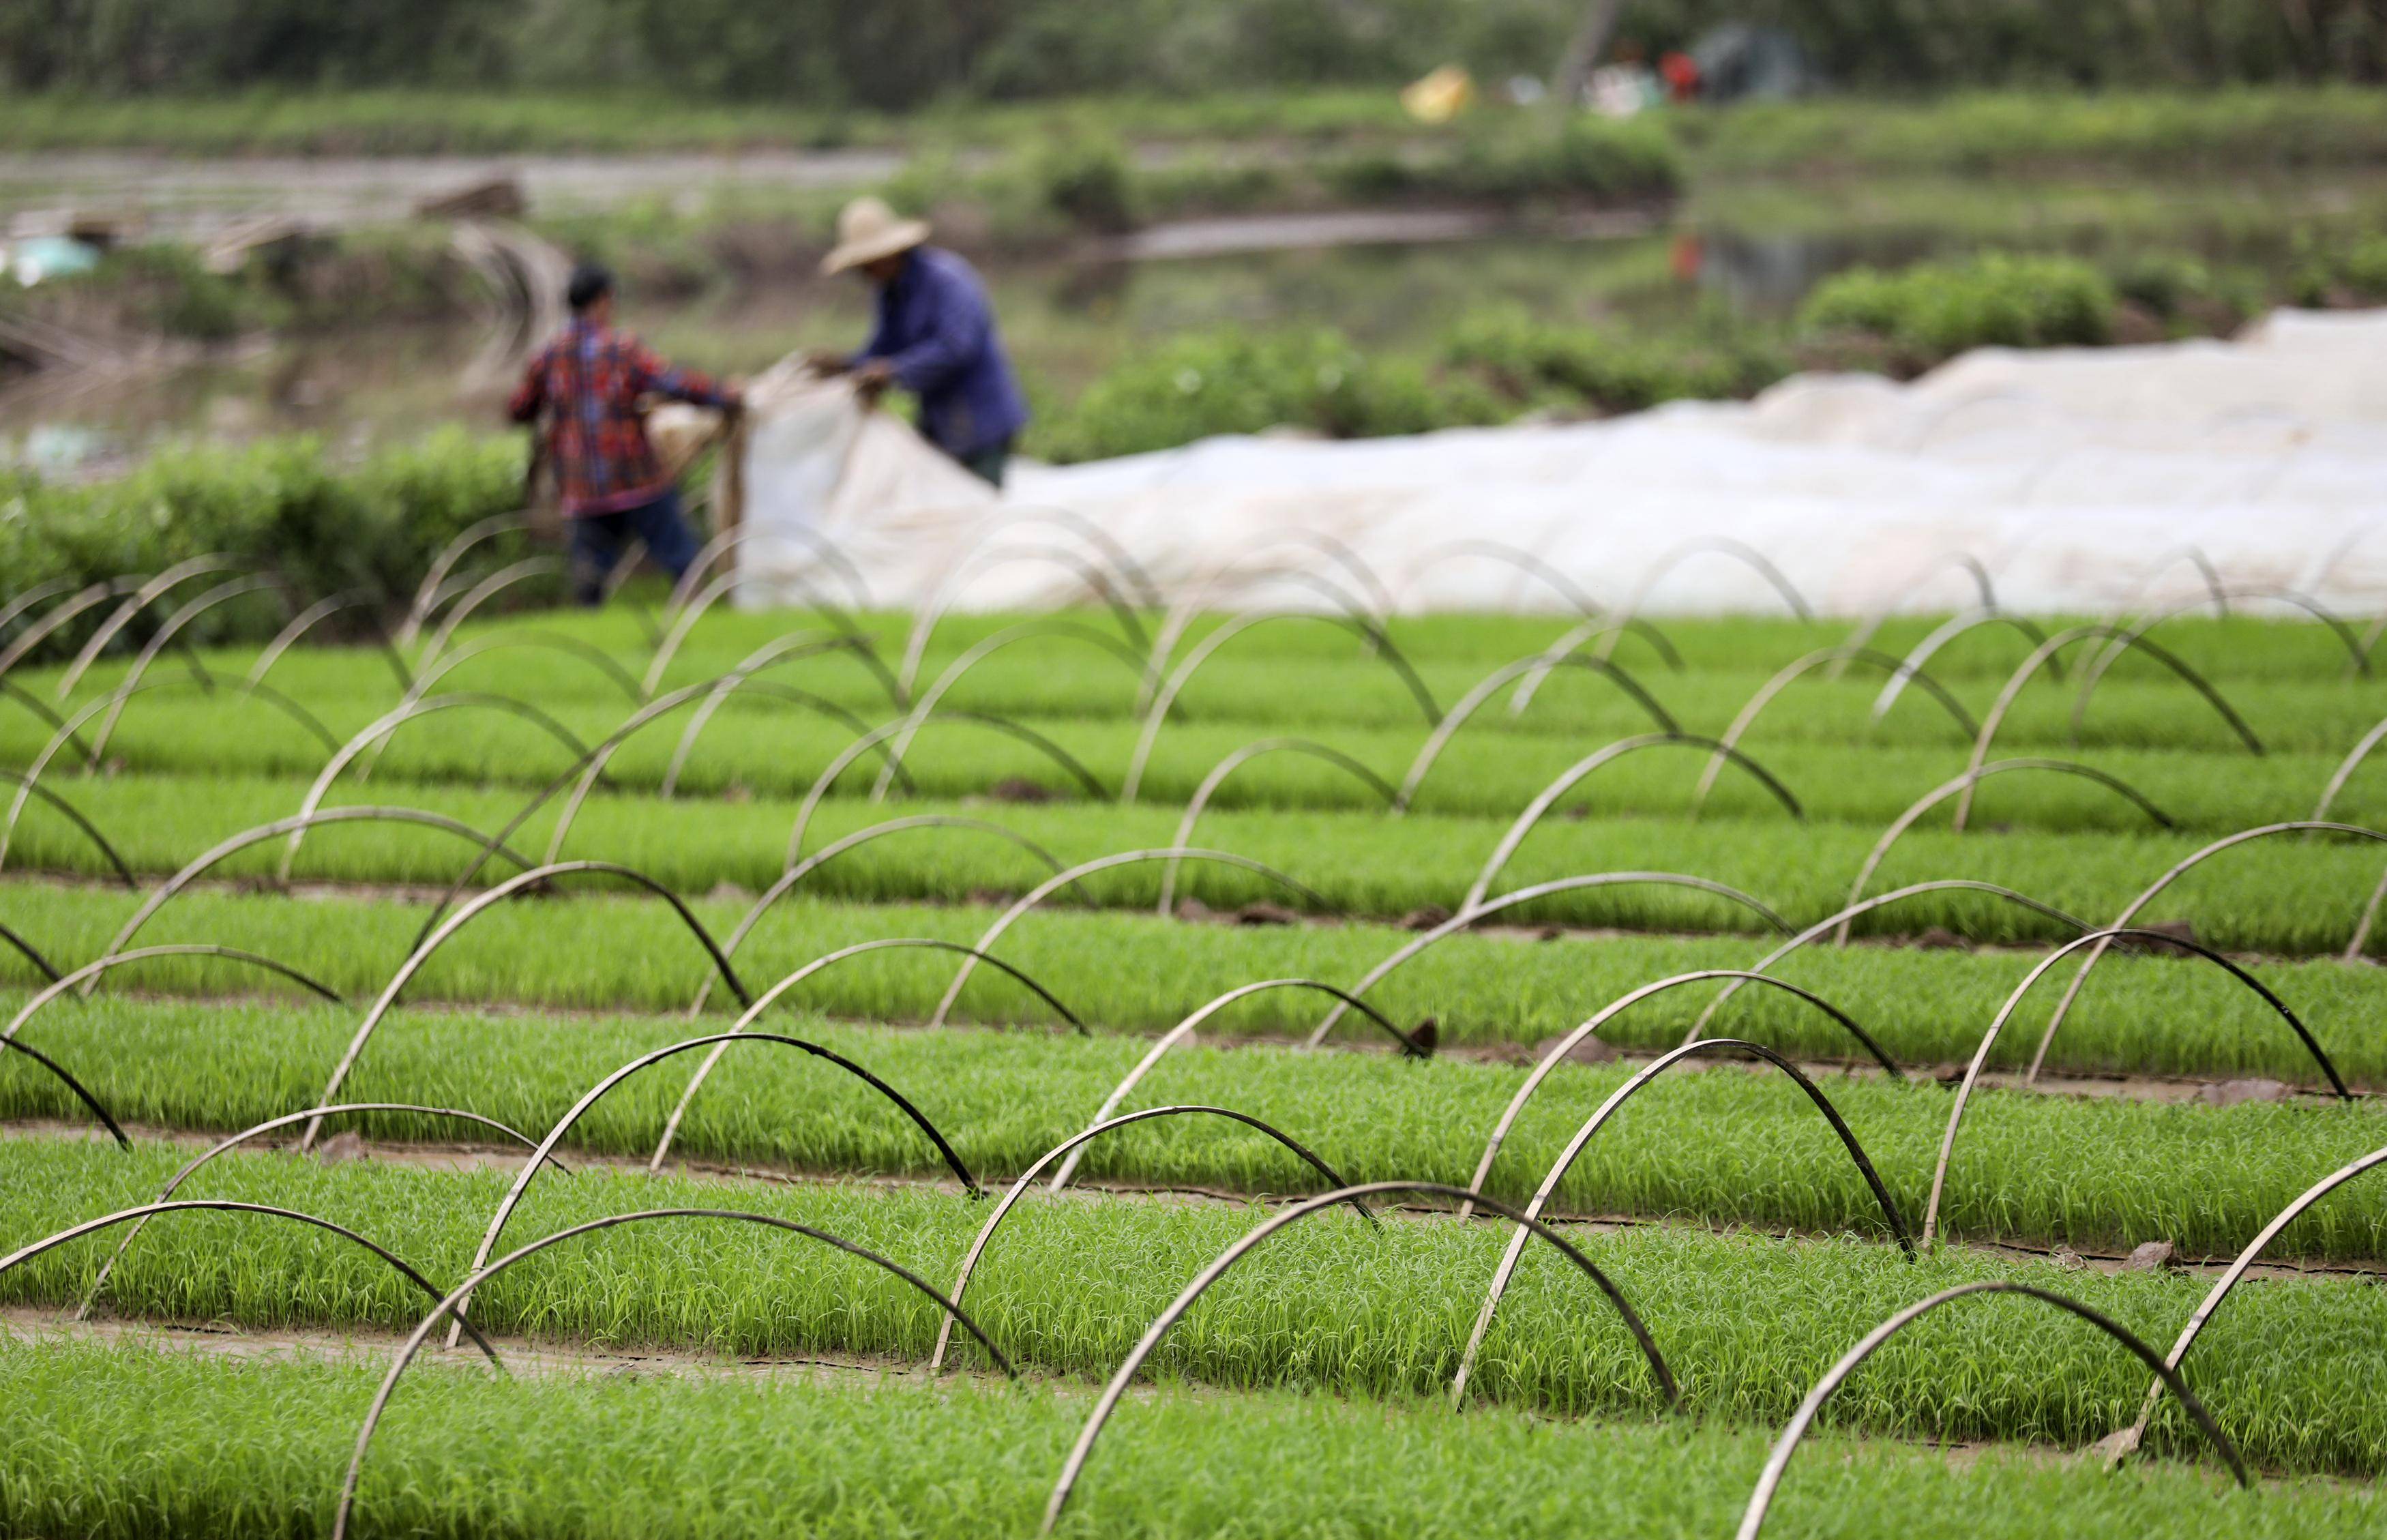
1139, 975
2099, 1173
1746, 1322
2284, 894
127, 1444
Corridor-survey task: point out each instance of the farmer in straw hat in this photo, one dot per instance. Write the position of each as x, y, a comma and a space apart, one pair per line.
935, 337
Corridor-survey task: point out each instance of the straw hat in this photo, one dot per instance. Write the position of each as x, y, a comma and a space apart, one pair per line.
868, 230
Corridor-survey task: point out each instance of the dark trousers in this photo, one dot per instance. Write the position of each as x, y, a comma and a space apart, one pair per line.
598, 540
988, 465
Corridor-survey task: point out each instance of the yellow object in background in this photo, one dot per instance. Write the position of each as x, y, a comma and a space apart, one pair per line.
1440, 95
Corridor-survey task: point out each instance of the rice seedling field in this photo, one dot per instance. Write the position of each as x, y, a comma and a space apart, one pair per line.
1160, 1066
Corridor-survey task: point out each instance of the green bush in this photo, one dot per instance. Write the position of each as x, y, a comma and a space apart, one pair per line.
1231, 382
1530, 361
1932, 311
279, 502
1090, 180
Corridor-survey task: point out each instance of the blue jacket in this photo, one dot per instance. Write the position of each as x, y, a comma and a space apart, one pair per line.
935, 327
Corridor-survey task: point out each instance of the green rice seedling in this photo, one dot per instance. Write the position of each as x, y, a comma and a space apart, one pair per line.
123, 1442
1714, 1144
1746, 1321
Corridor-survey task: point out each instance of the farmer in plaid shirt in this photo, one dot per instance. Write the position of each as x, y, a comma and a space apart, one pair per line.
588, 382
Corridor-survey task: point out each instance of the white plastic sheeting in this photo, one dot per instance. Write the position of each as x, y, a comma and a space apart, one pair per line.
2079, 479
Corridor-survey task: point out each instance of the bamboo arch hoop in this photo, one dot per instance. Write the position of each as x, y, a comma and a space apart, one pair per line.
58, 1072
796, 874
1203, 650
1990, 1038
200, 864
1837, 657
90, 972
1078, 1454
462, 916
1770, 1480
1598, 1119
1071, 1148
1568, 778
2125, 1443
1615, 1008
763, 1001
1964, 784
1236, 760
146, 1211
2188, 864
190, 1168
451, 1305
1409, 1046
924, 704
1484, 688
1058, 880
1817, 930
1477, 912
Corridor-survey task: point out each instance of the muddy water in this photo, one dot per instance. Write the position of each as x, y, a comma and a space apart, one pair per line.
1747, 254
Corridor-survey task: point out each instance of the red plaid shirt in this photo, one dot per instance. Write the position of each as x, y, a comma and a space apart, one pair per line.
588, 382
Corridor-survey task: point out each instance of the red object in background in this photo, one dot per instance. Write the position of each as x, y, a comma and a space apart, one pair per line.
1689, 254
1681, 73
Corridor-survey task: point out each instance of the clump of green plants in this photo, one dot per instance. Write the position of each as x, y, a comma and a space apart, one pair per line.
1236, 382
1933, 310
1534, 362
285, 502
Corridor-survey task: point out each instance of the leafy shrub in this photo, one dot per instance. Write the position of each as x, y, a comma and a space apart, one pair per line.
1932, 311
1532, 361
1090, 180
280, 502
1232, 381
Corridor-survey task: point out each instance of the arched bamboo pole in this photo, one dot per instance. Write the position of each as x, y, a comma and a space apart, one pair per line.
389, 722
190, 1168
481, 593
1861, 638
1485, 687
426, 594
1235, 760
2125, 1443
1568, 778
1965, 782
1293, 1214
223, 593
1756, 704
769, 690
1409, 1046
1598, 1119
770, 996
2345, 769
572, 647
1567, 1045
925, 703
980, 560
1235, 577
28, 786
41, 965
1203, 650
2005, 1012
142, 597
1770, 1480
1052, 884
1911, 666
452, 1304
717, 1042
844, 760
144, 1212
1074, 1145
2179, 869
1475, 913
1865, 906
59, 1073
2056, 643
788, 879
1525, 562
90, 971
224, 849
463, 916
315, 614
55, 619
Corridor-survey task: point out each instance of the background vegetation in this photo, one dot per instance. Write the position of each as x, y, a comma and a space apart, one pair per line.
894, 55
